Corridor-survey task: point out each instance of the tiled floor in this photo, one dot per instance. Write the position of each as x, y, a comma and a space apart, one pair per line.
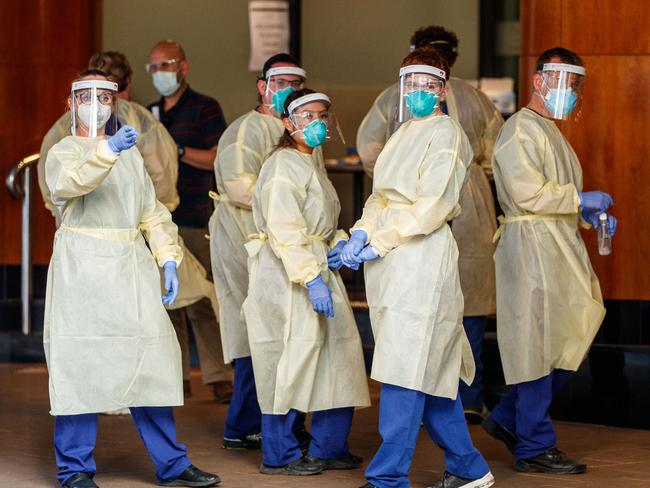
616, 457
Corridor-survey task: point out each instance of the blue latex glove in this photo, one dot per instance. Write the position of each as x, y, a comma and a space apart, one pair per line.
595, 200
368, 253
334, 256
320, 297
123, 139
350, 253
171, 282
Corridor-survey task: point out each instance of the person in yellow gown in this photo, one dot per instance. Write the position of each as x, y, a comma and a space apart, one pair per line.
303, 338
412, 283
474, 228
108, 341
549, 304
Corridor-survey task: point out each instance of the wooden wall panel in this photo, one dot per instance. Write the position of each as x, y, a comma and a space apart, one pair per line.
607, 26
43, 44
612, 138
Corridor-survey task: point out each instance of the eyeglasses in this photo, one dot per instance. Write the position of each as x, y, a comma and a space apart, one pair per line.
281, 83
306, 116
84, 97
166, 65
425, 85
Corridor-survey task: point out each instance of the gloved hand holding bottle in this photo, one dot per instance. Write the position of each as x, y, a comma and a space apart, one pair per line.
320, 297
123, 139
595, 200
350, 253
334, 256
593, 217
171, 283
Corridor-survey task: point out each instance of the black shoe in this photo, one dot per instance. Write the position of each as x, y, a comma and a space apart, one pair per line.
476, 415
349, 461
300, 467
193, 476
368, 485
552, 461
450, 481
500, 433
251, 441
80, 480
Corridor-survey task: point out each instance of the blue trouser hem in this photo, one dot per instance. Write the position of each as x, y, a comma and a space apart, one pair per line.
472, 395
525, 411
75, 437
400, 413
329, 431
244, 416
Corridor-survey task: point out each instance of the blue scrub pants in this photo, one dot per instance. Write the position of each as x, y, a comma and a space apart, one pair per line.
401, 411
75, 436
472, 395
524, 411
329, 431
244, 416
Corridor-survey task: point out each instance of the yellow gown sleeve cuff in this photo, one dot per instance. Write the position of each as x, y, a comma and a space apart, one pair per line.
172, 252
105, 154
340, 235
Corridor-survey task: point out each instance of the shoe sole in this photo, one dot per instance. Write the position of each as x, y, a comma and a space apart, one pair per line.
240, 448
286, 472
484, 482
533, 468
335, 466
195, 484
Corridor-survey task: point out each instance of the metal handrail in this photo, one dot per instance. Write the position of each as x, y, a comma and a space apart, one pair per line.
25, 192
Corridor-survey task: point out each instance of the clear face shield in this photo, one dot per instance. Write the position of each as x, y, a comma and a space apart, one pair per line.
313, 118
92, 108
421, 88
280, 83
561, 90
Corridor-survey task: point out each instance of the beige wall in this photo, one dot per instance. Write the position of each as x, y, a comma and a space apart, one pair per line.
351, 49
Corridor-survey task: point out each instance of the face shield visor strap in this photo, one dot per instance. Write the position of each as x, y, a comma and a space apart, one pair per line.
408, 73
92, 86
562, 85
277, 102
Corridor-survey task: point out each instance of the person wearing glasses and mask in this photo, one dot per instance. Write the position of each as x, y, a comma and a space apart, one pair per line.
305, 346
196, 123
108, 341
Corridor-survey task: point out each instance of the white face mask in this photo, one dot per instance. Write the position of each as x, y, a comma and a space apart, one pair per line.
166, 82
103, 114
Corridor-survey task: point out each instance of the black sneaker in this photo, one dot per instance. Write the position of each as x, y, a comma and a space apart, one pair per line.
349, 461
193, 476
476, 415
500, 433
552, 461
450, 481
80, 480
301, 467
368, 485
251, 441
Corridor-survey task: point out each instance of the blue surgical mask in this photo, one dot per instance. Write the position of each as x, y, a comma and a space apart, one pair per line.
568, 104
166, 82
315, 133
421, 103
279, 97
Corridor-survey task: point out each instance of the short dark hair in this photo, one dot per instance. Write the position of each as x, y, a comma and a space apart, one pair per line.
428, 56
438, 38
277, 58
568, 57
115, 64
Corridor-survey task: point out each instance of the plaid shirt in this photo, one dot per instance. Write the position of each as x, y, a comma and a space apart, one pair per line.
195, 121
